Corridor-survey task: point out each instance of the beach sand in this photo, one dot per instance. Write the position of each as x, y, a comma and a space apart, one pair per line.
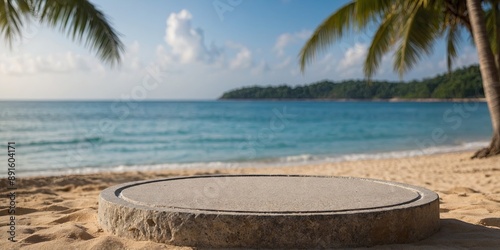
61, 212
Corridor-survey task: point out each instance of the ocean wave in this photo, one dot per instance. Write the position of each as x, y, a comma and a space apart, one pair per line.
62, 142
308, 158
298, 158
97, 141
407, 153
303, 159
125, 168
134, 133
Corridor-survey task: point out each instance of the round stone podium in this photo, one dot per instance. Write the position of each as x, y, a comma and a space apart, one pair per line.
269, 211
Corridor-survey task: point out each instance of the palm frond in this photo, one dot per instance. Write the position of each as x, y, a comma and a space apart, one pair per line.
412, 26
381, 44
453, 40
366, 10
418, 34
491, 20
84, 22
329, 31
12, 15
354, 16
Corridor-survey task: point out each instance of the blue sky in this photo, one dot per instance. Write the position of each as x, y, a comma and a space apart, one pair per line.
194, 49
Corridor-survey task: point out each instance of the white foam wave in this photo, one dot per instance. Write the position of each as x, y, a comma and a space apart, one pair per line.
409, 153
298, 158
283, 161
123, 168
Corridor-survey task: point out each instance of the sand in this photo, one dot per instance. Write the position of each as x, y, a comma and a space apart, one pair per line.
60, 212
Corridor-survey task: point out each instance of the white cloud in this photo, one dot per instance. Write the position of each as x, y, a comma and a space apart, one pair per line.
69, 62
186, 42
261, 68
186, 46
286, 39
467, 57
27, 64
131, 59
351, 64
353, 57
164, 59
282, 41
284, 63
243, 58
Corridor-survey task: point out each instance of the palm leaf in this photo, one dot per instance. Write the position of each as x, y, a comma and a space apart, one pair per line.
366, 10
84, 22
12, 15
330, 30
491, 19
381, 44
418, 34
353, 16
453, 39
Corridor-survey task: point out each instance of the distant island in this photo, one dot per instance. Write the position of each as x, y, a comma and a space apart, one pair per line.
464, 83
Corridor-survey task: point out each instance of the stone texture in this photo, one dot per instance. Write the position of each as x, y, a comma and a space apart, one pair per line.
268, 194
259, 211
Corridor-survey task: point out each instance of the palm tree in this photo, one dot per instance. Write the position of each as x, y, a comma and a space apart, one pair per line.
79, 19
489, 73
412, 27
397, 22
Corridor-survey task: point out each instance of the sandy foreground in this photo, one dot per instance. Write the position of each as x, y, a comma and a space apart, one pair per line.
61, 212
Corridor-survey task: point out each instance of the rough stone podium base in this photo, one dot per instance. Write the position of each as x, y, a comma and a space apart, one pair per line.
269, 211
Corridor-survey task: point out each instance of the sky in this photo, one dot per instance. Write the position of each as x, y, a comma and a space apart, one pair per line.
194, 50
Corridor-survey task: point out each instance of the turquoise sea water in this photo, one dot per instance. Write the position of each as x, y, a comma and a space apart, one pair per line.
78, 137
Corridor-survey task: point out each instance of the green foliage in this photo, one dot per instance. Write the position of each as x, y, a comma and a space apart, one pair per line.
462, 83
408, 28
79, 19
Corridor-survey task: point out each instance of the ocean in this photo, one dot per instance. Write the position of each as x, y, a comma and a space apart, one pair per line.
58, 137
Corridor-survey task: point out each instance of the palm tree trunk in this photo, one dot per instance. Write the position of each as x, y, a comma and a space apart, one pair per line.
489, 73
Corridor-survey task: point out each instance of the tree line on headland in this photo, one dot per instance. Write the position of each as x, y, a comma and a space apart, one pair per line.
461, 83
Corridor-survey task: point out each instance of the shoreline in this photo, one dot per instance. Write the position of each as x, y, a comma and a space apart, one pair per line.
395, 99
62, 210
463, 155
283, 161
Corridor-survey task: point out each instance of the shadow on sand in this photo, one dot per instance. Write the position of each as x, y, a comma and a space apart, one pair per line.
457, 234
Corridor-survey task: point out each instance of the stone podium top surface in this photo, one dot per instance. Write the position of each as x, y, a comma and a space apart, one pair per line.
269, 194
